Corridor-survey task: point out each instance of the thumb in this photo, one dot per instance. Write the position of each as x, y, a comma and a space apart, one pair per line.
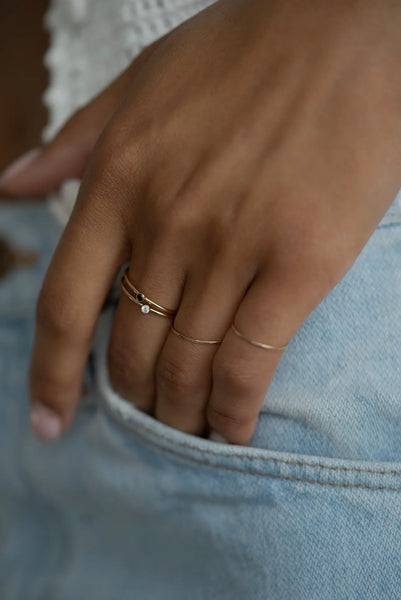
42, 170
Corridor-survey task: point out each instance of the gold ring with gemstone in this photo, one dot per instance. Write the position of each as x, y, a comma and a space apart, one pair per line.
139, 298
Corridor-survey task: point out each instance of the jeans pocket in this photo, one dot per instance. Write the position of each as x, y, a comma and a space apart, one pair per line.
257, 461
212, 520
284, 520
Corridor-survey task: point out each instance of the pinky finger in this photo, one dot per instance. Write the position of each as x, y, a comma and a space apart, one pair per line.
242, 370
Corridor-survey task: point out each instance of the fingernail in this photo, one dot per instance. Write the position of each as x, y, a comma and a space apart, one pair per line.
18, 166
216, 437
45, 422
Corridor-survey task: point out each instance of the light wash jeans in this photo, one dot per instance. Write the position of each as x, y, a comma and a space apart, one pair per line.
126, 508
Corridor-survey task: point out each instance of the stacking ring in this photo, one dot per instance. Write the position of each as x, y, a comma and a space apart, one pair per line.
148, 305
194, 340
139, 298
259, 344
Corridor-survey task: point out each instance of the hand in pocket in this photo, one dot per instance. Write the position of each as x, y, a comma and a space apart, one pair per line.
247, 158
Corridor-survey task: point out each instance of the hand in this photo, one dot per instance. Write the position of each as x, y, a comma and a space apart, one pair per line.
252, 156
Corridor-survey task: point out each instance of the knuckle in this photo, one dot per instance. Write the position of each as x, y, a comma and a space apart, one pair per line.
234, 376
56, 315
156, 219
218, 238
316, 278
173, 210
176, 404
224, 419
328, 266
124, 372
173, 378
311, 269
116, 156
170, 218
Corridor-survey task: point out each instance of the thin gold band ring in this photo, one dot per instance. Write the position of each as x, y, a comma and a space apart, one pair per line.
259, 344
194, 340
148, 305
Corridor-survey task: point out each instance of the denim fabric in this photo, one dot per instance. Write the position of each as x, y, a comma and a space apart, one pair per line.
127, 508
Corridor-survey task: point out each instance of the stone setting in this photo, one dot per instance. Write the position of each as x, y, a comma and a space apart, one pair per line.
140, 297
145, 309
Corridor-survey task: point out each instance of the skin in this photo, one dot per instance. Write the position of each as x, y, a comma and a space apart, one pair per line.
240, 165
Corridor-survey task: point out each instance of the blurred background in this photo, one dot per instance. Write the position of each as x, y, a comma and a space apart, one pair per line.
23, 41
28, 234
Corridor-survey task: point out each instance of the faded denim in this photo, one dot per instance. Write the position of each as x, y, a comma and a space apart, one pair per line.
124, 507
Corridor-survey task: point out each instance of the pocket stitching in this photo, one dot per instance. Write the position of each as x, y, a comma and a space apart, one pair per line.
161, 436
111, 401
273, 476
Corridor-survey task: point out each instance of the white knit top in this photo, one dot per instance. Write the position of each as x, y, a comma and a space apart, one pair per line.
91, 42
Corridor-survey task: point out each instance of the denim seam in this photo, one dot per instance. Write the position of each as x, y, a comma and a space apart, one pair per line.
271, 475
124, 420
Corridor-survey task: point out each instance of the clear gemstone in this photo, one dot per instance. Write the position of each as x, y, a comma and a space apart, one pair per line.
145, 308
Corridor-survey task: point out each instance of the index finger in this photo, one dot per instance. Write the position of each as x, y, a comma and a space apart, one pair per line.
84, 267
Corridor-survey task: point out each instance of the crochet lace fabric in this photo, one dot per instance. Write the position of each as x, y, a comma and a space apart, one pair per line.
91, 42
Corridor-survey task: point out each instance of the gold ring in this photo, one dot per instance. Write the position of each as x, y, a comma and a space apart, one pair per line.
195, 341
144, 302
259, 344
